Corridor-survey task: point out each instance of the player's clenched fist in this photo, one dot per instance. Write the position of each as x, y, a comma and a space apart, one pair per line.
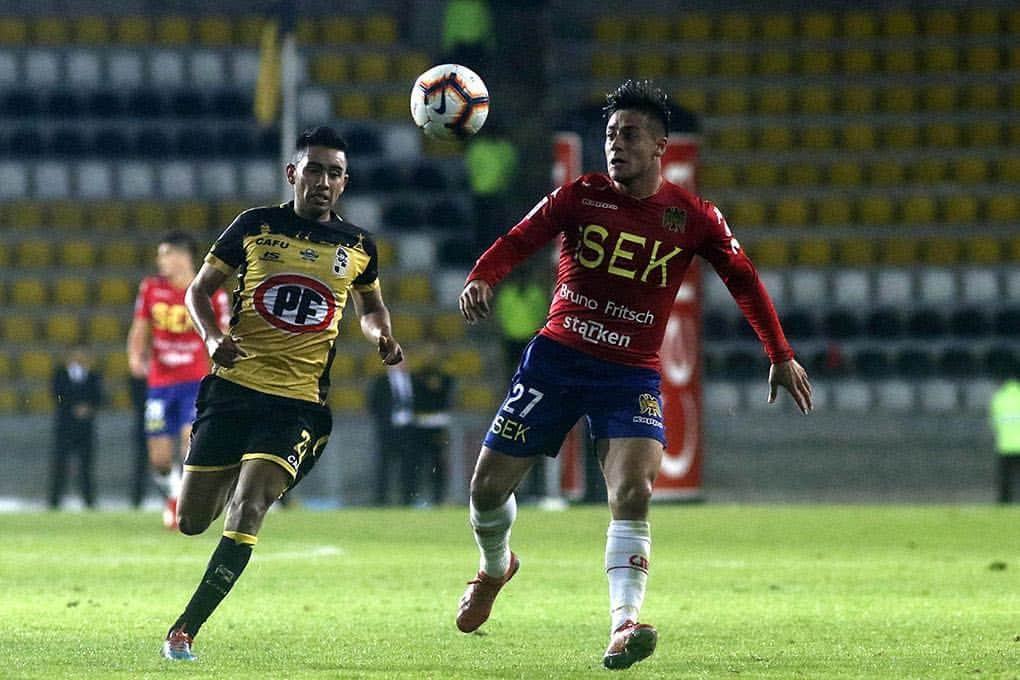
476, 300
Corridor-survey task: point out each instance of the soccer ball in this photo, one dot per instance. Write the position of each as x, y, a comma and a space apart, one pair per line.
449, 101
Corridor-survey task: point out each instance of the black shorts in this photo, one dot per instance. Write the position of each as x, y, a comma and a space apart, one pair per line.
236, 423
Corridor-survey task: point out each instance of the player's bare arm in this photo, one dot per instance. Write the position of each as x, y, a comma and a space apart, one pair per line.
792, 376
375, 324
476, 300
139, 336
223, 349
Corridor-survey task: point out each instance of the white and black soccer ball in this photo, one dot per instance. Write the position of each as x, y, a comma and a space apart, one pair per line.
449, 101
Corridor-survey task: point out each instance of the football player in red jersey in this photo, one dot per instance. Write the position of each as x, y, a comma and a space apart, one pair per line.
627, 238
163, 347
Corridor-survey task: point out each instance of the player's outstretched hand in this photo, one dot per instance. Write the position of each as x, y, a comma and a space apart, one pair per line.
390, 350
793, 377
476, 300
226, 351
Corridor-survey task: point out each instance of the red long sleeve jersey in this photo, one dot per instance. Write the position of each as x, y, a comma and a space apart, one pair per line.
621, 263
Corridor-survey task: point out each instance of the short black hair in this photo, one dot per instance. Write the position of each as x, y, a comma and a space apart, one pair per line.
319, 136
643, 96
182, 240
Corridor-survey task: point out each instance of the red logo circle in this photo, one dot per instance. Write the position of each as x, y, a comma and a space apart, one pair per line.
295, 303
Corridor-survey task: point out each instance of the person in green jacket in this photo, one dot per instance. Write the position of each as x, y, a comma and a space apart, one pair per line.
1005, 416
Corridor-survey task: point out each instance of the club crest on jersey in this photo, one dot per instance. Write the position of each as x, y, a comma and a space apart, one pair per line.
341, 262
649, 405
265, 229
674, 219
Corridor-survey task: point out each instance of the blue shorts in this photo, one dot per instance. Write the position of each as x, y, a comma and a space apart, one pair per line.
555, 386
169, 408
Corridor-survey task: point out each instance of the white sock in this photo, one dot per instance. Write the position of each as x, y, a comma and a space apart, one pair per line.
628, 548
164, 482
175, 475
492, 534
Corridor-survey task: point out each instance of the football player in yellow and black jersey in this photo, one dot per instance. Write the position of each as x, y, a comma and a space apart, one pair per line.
262, 420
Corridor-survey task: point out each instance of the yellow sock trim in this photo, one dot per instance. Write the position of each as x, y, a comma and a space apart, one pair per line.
238, 537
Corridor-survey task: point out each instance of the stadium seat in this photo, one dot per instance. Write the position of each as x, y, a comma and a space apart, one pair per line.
694, 26
887, 174
151, 216
133, 30
914, 363
940, 98
960, 209
940, 251
939, 395
761, 174
36, 365
841, 324
691, 64
846, 173
851, 288
919, 209
447, 327
857, 99
114, 365
928, 170
194, 216
69, 290
983, 134
900, 61
898, 100
885, 323
814, 252
414, 289
13, 30
347, 396
970, 322
106, 327
792, 211
115, 291
371, 67
857, 61
84, 69
982, 250
119, 253
173, 30
774, 63
777, 26
770, 253
741, 364
478, 397
464, 363
894, 287
63, 328
747, 212
775, 138
214, 30
50, 30
819, 137
817, 25
817, 62
67, 216
106, 216
607, 65
982, 59
856, 252
872, 363
815, 100
808, 288
52, 180
733, 64
651, 65
858, 137
898, 23
28, 292
380, 29
34, 252
717, 326
717, 176
1001, 361
940, 59
1002, 208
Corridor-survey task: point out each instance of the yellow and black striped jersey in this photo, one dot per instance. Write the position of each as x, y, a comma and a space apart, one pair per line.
293, 278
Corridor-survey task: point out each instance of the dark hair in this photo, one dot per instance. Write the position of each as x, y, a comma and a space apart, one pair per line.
318, 136
642, 96
182, 240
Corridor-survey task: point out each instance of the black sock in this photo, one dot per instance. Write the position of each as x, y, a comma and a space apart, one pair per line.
225, 566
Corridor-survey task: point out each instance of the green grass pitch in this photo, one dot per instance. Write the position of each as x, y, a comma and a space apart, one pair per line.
735, 591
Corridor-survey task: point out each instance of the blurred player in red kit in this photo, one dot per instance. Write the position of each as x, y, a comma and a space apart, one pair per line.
627, 238
164, 348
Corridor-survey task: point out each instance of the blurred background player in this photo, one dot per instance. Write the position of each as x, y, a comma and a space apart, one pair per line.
391, 404
1005, 417
163, 347
627, 239
78, 394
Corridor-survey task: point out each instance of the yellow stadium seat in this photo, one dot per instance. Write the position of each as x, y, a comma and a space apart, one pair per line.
981, 96
692, 99
26, 214
919, 210
734, 64
940, 59
1012, 249
982, 250
792, 212
67, 216
814, 252
1013, 136
355, 105
1007, 170
63, 328
858, 60
77, 253
1002, 208
69, 290
13, 31
775, 138
982, 59
735, 139
899, 23
37, 400
51, 31
347, 397
856, 252
1013, 59
857, 99
380, 28
152, 216
329, 69
770, 253
761, 175
940, 98
107, 216
226, 211
115, 291
5, 257
249, 30
105, 327
651, 29
747, 212
372, 67
133, 30
716, 176
5, 366
447, 327
651, 65
115, 365
393, 106
941, 251
814, 99
119, 397
900, 61
833, 210
408, 327
960, 209
607, 65
817, 62
942, 135
818, 26
983, 21
858, 137
940, 22
774, 62
983, 133
28, 292
34, 253
371, 364
972, 170
173, 30
691, 64
36, 364
339, 30
731, 101
415, 289
817, 137
120, 254
900, 137
875, 209
887, 174
774, 101
898, 99
802, 175
899, 251
91, 30
19, 329
464, 363
777, 26
194, 216
215, 30
306, 31
344, 366
478, 398
694, 26
928, 171
859, 24
736, 27
846, 173
408, 65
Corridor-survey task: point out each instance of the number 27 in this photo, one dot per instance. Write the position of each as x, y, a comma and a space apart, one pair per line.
516, 394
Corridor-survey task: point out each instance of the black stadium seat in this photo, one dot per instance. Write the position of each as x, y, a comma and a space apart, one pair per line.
970, 322
236, 141
885, 323
1007, 322
927, 323
112, 141
447, 214
872, 362
958, 362
64, 104
20, 103
842, 324
1002, 361
106, 104
915, 363
716, 326
68, 141
743, 365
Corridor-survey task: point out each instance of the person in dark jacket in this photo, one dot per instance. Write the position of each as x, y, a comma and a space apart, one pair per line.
77, 391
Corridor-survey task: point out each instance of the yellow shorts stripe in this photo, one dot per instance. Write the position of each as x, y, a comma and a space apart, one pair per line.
238, 537
210, 468
272, 458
